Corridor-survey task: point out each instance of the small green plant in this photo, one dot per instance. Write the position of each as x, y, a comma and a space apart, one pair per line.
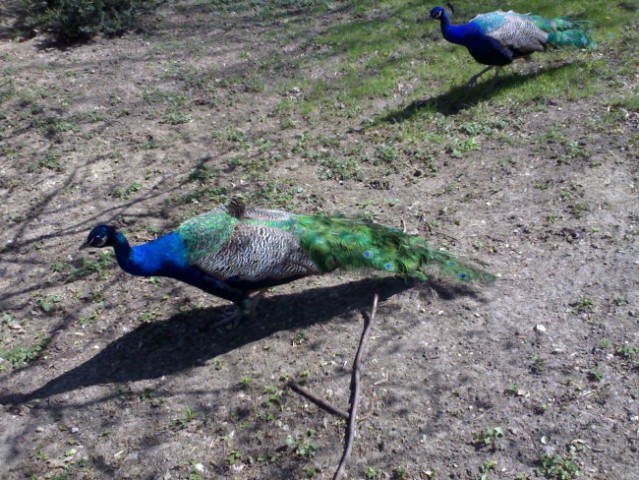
459, 148
371, 473
538, 365
400, 473
595, 375
188, 416
485, 469
86, 267
488, 437
20, 356
627, 352
299, 338
310, 471
557, 468
124, 193
275, 396
218, 363
303, 445
233, 457
50, 303
176, 117
583, 304
51, 161
52, 125
620, 300
341, 169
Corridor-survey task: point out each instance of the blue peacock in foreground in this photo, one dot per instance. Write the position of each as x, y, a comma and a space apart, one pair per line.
234, 251
497, 38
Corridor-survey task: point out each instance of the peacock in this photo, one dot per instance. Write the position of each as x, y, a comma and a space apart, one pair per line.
235, 251
497, 38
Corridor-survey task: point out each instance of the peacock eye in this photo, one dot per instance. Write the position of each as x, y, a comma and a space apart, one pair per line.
99, 241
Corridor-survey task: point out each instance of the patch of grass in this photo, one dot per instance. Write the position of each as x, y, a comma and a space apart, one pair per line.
595, 375
49, 304
583, 305
124, 193
558, 468
233, 457
51, 161
341, 169
627, 352
53, 125
538, 365
20, 356
486, 468
188, 416
72, 20
302, 445
488, 437
371, 473
400, 473
87, 266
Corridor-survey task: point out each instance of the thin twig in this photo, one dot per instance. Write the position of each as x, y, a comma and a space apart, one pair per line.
355, 391
320, 402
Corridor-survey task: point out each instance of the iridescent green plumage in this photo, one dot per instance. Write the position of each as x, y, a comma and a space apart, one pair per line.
317, 243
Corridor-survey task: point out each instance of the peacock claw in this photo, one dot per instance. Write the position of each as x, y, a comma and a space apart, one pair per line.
473, 80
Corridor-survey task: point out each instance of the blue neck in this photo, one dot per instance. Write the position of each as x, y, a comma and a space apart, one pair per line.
455, 33
161, 257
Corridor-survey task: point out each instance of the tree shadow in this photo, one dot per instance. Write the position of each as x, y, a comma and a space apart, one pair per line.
461, 97
190, 339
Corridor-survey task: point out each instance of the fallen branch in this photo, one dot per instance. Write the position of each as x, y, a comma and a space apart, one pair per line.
355, 391
320, 402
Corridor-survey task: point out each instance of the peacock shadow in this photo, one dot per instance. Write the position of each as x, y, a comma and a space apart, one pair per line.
190, 339
461, 97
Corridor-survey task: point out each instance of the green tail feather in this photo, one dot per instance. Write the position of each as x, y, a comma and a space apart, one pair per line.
339, 242
564, 33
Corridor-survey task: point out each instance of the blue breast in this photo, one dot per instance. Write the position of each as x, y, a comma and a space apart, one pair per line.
162, 257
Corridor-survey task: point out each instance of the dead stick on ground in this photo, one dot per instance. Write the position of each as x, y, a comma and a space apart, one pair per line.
355, 391
317, 400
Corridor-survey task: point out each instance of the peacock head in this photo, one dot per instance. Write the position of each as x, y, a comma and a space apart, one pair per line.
437, 13
101, 236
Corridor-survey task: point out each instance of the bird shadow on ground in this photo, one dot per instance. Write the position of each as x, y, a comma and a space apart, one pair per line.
190, 339
462, 97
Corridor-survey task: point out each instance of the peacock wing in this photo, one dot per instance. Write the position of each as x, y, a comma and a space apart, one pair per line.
257, 254
514, 31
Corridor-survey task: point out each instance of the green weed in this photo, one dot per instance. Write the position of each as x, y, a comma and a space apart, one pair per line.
20, 356
557, 468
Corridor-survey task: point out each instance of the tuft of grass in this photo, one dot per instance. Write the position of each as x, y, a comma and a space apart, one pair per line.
488, 437
558, 468
303, 445
20, 356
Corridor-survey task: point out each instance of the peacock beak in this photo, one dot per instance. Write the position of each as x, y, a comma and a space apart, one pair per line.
84, 245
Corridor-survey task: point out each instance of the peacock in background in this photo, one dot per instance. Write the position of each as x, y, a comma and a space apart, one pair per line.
235, 251
497, 38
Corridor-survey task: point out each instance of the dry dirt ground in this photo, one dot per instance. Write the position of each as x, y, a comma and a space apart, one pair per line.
533, 377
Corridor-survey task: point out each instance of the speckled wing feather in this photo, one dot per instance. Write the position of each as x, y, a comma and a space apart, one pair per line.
513, 30
245, 250
258, 254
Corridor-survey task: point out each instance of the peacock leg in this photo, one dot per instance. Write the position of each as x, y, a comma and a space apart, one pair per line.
473, 80
251, 308
497, 72
247, 308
